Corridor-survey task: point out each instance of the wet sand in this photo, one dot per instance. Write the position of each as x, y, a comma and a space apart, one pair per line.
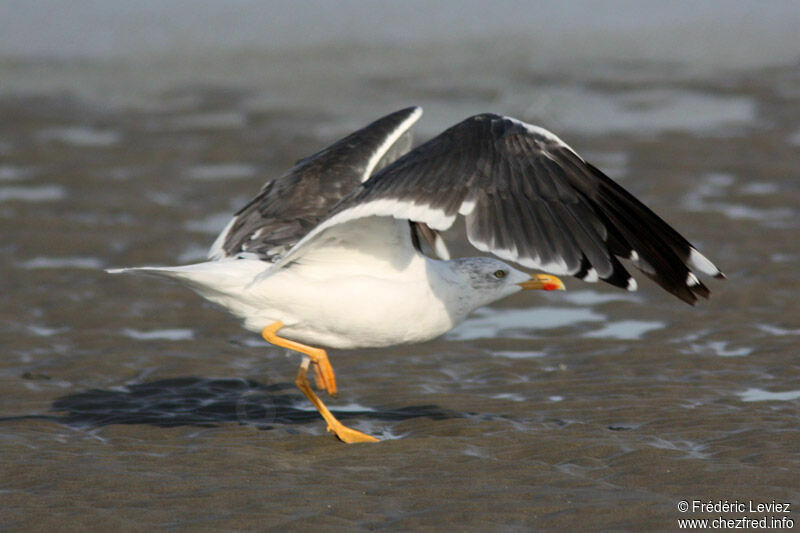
128, 403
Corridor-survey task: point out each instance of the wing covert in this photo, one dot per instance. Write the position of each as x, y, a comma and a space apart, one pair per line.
291, 205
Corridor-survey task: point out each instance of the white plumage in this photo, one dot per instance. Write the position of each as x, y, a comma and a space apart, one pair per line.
361, 285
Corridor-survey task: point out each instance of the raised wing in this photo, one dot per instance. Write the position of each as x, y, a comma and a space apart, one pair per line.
528, 198
288, 207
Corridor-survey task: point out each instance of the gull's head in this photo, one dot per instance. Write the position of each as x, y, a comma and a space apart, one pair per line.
484, 280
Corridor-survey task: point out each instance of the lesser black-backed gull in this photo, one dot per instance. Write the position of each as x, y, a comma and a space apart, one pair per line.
331, 253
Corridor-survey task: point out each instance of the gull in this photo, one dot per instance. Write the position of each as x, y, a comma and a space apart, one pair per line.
344, 250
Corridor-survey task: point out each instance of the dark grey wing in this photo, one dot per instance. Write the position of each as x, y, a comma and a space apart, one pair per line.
288, 207
528, 198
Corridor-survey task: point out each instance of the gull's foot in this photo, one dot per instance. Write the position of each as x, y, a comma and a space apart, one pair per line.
350, 435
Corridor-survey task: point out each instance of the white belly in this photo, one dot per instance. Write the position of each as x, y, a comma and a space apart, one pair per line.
351, 312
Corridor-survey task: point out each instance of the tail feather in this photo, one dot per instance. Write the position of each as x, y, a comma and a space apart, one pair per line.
219, 276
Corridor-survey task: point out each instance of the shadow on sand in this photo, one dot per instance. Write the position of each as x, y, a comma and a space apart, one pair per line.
207, 402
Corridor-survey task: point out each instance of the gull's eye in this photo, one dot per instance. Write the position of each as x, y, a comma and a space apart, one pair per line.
500, 274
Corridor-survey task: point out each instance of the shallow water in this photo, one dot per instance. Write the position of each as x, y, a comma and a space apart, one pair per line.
128, 402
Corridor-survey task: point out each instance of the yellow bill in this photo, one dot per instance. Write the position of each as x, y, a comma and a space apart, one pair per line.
543, 282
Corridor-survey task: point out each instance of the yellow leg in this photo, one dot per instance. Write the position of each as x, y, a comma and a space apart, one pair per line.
323, 371
344, 433
325, 378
